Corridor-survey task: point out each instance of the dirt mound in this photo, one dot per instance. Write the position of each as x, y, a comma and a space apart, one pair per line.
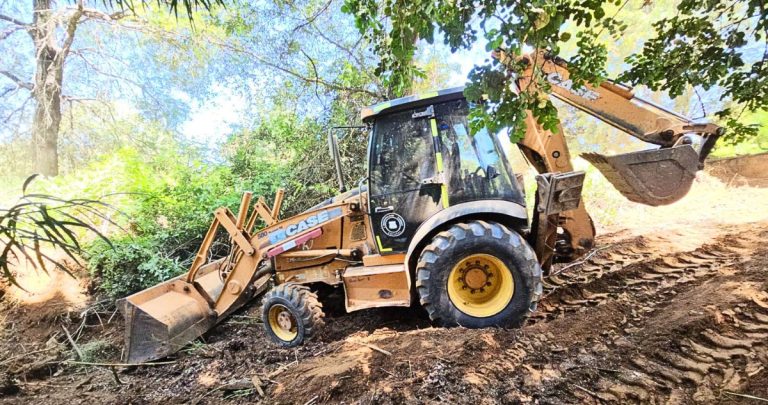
749, 170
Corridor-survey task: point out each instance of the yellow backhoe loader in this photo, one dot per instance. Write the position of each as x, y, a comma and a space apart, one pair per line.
440, 220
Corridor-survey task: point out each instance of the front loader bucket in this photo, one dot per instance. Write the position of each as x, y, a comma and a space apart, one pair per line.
162, 319
652, 177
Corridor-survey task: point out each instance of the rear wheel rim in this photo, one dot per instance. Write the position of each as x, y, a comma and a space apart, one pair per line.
283, 323
480, 285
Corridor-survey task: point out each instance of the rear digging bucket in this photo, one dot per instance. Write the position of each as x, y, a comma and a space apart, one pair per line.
650, 177
162, 319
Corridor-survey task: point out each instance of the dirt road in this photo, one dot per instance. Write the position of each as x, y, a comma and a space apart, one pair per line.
670, 310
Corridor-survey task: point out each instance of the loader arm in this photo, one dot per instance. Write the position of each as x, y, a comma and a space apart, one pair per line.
654, 177
162, 319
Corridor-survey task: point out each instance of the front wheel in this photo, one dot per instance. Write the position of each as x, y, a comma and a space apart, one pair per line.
291, 313
478, 274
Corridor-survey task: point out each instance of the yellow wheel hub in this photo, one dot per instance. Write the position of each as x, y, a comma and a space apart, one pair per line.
282, 322
480, 285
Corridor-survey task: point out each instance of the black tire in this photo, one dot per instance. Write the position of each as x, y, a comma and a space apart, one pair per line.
304, 308
450, 247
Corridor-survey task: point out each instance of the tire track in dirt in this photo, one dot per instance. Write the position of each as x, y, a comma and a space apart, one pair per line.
628, 268
700, 363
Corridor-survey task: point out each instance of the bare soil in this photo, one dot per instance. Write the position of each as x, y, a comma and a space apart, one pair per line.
750, 170
673, 312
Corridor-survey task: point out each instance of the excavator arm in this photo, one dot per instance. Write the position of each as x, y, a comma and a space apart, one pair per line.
652, 177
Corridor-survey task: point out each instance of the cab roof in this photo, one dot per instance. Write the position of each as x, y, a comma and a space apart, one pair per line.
411, 101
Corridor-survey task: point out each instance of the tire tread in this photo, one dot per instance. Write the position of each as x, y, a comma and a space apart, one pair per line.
304, 302
531, 272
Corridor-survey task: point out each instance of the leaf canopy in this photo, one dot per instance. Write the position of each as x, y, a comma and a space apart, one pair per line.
705, 45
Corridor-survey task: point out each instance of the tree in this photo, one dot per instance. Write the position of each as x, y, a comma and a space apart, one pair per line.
710, 44
319, 76
52, 31
36, 220
707, 44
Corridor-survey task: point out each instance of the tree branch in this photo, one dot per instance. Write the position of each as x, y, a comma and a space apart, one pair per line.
20, 109
309, 80
100, 15
71, 28
13, 20
314, 68
311, 19
76, 99
15, 79
5, 34
7, 90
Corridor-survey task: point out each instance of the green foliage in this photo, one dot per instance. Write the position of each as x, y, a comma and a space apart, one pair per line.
756, 144
291, 149
703, 46
437, 72
132, 264
188, 6
293, 152
164, 194
169, 199
507, 25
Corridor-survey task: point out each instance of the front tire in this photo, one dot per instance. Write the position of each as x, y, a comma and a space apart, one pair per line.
291, 313
478, 274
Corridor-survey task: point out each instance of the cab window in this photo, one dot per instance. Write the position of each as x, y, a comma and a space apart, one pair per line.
402, 155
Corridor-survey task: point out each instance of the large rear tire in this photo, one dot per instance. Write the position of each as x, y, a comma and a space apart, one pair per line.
291, 313
478, 274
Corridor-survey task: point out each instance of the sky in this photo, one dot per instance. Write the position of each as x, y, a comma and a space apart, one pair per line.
210, 123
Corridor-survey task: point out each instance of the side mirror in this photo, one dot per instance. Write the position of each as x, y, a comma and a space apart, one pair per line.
333, 145
491, 172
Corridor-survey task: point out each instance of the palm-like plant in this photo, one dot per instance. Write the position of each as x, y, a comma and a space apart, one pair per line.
189, 6
38, 221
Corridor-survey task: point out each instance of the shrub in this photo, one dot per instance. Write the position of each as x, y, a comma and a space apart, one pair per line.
168, 199
130, 265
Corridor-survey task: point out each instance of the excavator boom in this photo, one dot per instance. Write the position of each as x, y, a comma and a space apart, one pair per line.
652, 177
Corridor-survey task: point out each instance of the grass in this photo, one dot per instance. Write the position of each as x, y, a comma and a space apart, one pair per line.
240, 393
195, 346
96, 351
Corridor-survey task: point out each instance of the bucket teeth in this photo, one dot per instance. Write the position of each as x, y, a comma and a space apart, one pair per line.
650, 177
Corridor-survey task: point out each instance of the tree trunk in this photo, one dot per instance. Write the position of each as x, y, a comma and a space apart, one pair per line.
49, 74
45, 129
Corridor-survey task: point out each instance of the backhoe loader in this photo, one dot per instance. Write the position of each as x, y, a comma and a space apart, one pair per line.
439, 220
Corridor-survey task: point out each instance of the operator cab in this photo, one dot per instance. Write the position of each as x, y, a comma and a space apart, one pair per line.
422, 159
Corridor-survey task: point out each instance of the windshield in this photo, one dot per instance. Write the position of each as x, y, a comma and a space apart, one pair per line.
476, 166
